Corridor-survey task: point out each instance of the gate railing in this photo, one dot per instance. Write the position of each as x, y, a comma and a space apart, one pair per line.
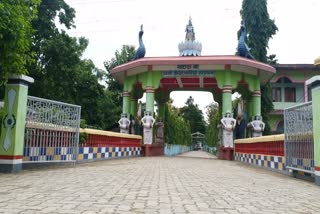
298, 130
52, 131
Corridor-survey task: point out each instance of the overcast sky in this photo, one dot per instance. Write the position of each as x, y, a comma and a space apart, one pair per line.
109, 24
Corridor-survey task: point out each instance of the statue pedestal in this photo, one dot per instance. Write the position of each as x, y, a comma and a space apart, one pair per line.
225, 153
150, 150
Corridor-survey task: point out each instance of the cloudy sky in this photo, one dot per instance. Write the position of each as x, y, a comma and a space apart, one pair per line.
108, 24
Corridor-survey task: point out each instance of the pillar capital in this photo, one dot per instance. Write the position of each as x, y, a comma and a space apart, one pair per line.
150, 89
256, 93
20, 79
125, 94
227, 89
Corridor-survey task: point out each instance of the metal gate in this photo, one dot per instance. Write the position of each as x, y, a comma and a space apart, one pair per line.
52, 131
298, 130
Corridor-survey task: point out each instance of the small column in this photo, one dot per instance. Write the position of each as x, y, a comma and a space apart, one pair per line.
314, 82
256, 103
150, 99
161, 110
226, 99
126, 102
133, 107
13, 123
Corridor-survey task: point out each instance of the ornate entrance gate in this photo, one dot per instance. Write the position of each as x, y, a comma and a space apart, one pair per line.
52, 131
298, 129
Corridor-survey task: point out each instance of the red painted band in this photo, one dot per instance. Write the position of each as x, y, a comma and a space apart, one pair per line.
317, 168
227, 67
11, 157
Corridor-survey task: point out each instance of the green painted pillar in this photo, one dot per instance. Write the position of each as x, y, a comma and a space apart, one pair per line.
314, 82
161, 110
133, 107
126, 102
150, 99
226, 99
256, 103
13, 123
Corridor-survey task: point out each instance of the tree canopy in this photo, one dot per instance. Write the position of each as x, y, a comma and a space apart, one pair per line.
260, 29
213, 115
16, 36
126, 54
177, 129
191, 113
59, 71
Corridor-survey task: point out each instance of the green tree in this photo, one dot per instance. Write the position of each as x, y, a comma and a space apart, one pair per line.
212, 132
60, 73
126, 54
191, 113
176, 129
260, 29
15, 36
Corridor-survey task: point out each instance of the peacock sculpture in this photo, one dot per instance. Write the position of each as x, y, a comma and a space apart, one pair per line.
141, 51
243, 49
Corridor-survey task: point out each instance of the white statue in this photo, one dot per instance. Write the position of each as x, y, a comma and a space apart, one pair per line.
228, 125
147, 122
124, 124
159, 133
257, 126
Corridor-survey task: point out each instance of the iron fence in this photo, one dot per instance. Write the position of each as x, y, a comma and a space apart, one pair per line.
52, 131
298, 130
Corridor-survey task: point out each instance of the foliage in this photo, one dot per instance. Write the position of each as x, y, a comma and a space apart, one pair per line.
191, 113
177, 130
15, 36
260, 29
126, 54
212, 131
61, 74
266, 106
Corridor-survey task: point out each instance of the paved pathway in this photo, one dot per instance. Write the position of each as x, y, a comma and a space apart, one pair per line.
157, 185
197, 154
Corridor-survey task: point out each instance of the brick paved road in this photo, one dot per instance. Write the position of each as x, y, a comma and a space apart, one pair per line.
157, 185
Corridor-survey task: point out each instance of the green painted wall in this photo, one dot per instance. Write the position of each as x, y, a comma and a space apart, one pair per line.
133, 107
161, 110
256, 106
126, 105
283, 105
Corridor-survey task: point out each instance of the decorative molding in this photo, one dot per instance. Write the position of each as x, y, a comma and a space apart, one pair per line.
227, 89
150, 89
256, 93
125, 94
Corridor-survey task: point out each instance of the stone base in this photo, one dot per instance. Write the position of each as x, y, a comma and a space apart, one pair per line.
10, 168
150, 150
225, 153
